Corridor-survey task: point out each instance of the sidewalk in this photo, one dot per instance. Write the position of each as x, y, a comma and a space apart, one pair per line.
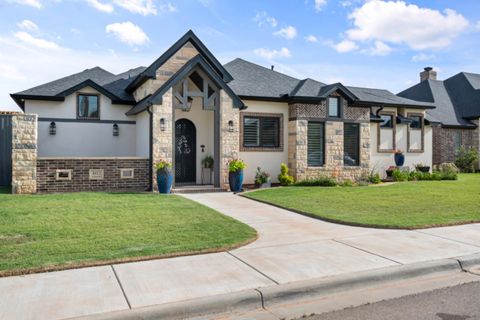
290, 248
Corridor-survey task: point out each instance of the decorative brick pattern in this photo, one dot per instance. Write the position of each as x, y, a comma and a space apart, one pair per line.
444, 149
355, 113
229, 141
300, 110
166, 71
162, 148
24, 153
80, 180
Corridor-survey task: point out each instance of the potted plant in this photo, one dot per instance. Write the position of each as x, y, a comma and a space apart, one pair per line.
164, 176
422, 168
207, 162
235, 175
390, 170
399, 158
262, 179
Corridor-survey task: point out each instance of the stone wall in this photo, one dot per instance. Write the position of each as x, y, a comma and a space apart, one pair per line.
166, 71
24, 153
444, 149
110, 169
334, 166
162, 148
229, 141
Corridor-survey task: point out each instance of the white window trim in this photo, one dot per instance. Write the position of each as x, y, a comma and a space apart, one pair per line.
59, 171
123, 171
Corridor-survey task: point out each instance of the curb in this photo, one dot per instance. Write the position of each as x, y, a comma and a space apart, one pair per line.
264, 297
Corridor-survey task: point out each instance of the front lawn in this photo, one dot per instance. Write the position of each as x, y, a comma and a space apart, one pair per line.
405, 205
48, 232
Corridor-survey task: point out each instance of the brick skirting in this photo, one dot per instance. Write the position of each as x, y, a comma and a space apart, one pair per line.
80, 174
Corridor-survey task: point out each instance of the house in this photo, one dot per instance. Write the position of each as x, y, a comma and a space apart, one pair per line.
100, 131
457, 112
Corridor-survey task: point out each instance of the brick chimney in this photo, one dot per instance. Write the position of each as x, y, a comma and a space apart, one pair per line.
428, 74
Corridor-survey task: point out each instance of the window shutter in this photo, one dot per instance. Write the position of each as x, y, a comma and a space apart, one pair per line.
251, 131
351, 144
315, 144
270, 131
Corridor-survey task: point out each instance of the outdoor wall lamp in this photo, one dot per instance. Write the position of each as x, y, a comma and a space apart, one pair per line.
53, 128
230, 126
162, 124
116, 130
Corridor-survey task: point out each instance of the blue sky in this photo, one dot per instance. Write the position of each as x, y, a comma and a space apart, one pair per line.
374, 43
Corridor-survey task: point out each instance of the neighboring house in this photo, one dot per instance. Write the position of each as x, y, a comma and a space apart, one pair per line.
99, 131
457, 112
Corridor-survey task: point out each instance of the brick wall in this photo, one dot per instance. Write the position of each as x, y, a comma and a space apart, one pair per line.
80, 180
444, 149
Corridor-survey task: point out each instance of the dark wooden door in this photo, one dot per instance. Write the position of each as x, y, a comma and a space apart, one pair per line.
185, 155
5, 150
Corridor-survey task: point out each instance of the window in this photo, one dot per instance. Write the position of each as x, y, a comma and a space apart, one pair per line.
315, 144
88, 106
127, 173
263, 132
333, 107
351, 144
417, 122
64, 174
387, 121
458, 141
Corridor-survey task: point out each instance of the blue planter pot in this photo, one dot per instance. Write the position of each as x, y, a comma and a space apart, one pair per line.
235, 180
399, 159
164, 180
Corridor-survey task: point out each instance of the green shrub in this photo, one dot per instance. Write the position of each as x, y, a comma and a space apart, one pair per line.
347, 183
284, 178
236, 165
399, 175
318, 182
162, 164
413, 176
467, 159
374, 178
436, 176
447, 171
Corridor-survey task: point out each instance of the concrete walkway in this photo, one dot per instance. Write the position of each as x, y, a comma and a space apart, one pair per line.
290, 248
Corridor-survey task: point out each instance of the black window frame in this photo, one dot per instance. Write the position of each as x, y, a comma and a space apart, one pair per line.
323, 145
80, 94
420, 122
261, 120
339, 108
358, 143
382, 126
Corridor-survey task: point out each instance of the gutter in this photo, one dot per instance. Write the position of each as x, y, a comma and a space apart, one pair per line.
150, 150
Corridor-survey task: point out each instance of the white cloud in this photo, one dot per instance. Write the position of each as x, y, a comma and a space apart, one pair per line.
168, 7
423, 57
379, 49
262, 18
272, 54
319, 4
400, 23
345, 46
32, 3
346, 3
288, 32
27, 25
143, 7
36, 42
477, 26
128, 32
103, 7
10, 72
311, 38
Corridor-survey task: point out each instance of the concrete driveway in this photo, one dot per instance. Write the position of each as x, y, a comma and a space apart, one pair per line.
290, 247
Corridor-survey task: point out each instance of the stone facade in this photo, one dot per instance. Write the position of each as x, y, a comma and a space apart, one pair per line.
24, 153
334, 167
166, 71
80, 174
444, 142
229, 140
162, 148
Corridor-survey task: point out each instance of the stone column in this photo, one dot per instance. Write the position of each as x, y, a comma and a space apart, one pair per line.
229, 141
162, 148
24, 154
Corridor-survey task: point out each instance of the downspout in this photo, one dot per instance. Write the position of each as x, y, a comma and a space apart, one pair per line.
378, 111
150, 150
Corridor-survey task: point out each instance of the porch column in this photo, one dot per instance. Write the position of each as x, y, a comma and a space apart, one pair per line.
24, 153
229, 139
162, 135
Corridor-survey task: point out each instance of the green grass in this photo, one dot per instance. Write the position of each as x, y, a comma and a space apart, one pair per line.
48, 232
406, 205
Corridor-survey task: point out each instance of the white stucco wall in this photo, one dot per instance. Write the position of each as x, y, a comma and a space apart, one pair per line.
381, 161
142, 134
268, 161
84, 139
204, 126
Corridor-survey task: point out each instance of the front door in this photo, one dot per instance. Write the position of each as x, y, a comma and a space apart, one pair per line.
185, 146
